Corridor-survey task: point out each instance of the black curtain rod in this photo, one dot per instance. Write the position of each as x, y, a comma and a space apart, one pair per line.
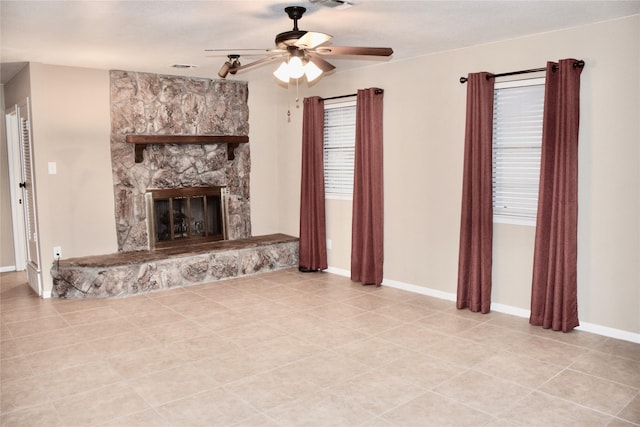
340, 96
577, 64
377, 92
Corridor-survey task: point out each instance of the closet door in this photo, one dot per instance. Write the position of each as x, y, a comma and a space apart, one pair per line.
29, 198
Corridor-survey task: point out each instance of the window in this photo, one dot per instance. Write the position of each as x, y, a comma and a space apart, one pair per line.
517, 141
339, 149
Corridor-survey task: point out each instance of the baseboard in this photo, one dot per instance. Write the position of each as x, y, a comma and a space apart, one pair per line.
420, 290
500, 308
338, 271
7, 269
609, 332
509, 309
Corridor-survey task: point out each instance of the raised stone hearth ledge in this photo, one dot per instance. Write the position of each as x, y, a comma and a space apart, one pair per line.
130, 273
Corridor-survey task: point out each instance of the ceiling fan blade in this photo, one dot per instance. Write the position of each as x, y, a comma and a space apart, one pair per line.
321, 63
236, 50
352, 50
223, 55
258, 62
213, 53
312, 39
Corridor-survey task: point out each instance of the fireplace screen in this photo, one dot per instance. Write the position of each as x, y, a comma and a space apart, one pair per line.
186, 215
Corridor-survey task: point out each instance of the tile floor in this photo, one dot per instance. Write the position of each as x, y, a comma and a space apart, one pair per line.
293, 349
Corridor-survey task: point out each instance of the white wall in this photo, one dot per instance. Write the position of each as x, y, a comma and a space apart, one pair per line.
423, 155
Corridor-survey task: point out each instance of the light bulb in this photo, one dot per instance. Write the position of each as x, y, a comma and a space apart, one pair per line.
296, 69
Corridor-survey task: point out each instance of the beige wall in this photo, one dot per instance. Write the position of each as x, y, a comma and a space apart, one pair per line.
424, 131
264, 160
71, 127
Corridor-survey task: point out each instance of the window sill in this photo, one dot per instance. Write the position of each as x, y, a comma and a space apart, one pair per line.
529, 222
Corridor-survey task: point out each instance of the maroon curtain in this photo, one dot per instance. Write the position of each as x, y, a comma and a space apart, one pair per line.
476, 223
367, 245
554, 301
313, 249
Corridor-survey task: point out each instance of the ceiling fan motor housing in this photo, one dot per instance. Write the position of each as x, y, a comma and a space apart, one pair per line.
288, 38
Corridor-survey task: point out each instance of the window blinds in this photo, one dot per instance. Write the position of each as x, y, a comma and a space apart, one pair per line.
517, 139
339, 148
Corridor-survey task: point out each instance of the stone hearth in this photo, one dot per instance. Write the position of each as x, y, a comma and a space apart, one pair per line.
130, 273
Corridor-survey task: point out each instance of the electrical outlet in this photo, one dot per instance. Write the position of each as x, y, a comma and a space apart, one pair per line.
57, 252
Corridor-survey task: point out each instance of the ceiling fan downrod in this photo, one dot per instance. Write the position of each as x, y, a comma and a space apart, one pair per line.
295, 13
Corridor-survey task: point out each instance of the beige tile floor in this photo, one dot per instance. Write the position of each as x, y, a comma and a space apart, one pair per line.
293, 349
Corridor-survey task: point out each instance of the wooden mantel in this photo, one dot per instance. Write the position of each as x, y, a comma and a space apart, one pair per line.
141, 141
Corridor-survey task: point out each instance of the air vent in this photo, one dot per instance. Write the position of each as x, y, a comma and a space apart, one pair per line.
184, 66
336, 4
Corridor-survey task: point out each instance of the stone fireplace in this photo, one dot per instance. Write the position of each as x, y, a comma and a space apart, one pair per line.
180, 157
186, 216
174, 108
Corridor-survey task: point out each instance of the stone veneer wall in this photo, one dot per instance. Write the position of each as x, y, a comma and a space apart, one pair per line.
169, 105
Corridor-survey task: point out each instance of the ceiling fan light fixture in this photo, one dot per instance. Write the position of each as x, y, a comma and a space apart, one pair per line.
312, 71
224, 70
282, 73
230, 66
295, 68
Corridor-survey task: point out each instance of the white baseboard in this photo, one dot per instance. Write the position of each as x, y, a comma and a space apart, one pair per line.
509, 309
609, 332
500, 308
7, 269
338, 271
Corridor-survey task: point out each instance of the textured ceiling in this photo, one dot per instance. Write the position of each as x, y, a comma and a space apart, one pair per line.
150, 36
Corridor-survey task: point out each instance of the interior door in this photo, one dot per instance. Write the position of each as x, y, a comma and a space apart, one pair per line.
25, 221
15, 178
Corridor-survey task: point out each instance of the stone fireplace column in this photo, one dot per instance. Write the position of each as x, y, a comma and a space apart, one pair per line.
170, 105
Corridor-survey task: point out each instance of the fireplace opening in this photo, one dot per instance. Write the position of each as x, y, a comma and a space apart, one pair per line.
185, 216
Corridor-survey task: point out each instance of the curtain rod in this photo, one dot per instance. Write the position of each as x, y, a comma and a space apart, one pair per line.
377, 92
577, 64
339, 97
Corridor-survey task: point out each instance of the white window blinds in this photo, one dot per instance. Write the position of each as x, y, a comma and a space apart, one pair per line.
517, 140
339, 149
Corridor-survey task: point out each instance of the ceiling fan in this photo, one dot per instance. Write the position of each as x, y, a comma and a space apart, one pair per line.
302, 52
